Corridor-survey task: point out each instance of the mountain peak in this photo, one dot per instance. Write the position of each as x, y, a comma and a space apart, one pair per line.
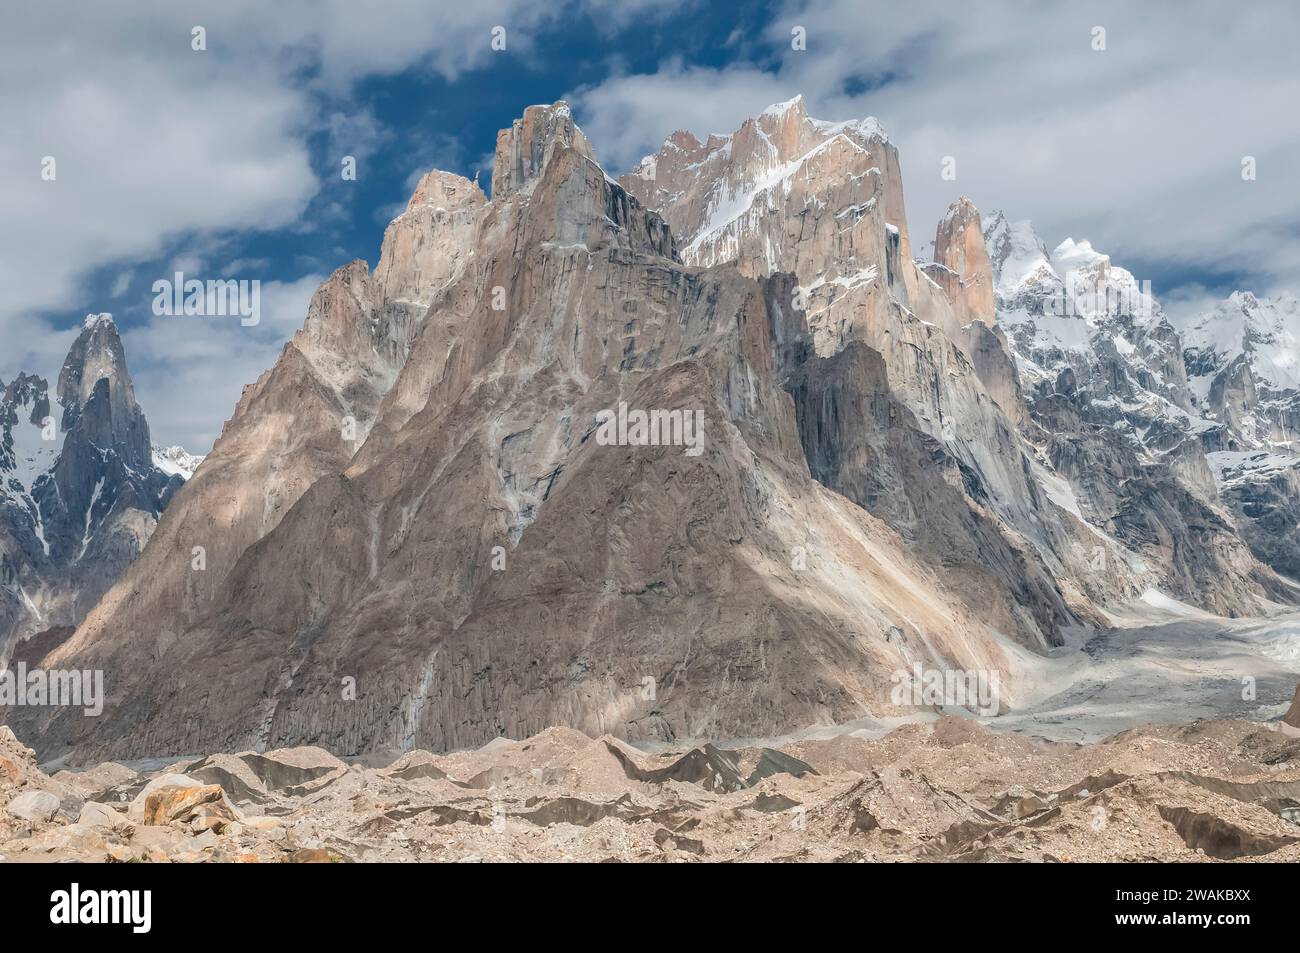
95, 370
1070, 255
963, 209
445, 190
795, 106
1016, 253
95, 321
524, 149
96, 353
960, 248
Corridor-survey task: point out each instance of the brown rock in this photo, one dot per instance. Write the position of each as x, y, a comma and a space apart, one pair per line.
967, 275
214, 817
10, 770
136, 810
176, 803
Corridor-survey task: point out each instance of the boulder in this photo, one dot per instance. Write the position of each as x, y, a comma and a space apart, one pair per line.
80, 840
95, 814
35, 807
136, 812
174, 802
212, 818
312, 855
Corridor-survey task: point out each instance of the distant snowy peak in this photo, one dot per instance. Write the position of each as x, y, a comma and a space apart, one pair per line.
1264, 330
1018, 256
28, 440
1075, 279
176, 461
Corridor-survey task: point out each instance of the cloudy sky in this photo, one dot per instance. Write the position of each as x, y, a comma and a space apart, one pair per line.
225, 163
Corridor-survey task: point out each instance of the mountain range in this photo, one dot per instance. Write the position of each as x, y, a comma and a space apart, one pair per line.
413, 532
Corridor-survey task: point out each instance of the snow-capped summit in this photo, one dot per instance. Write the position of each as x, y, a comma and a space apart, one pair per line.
721, 196
1017, 255
1098, 289
1084, 329
1265, 329
94, 321
1074, 280
176, 460
1243, 362
780, 109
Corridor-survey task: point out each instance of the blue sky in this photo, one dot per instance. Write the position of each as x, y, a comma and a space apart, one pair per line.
225, 162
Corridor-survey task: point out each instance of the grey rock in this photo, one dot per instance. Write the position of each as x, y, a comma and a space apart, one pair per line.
35, 807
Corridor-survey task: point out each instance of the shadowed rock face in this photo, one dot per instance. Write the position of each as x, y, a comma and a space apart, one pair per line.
417, 533
863, 443
1292, 716
79, 492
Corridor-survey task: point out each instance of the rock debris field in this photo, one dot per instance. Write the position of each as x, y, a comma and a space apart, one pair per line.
949, 790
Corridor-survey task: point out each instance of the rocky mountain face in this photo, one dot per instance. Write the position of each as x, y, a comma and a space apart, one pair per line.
80, 493
301, 420
1120, 415
698, 452
1243, 365
1243, 361
824, 202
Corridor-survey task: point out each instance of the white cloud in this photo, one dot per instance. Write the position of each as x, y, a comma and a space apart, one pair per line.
629, 115
189, 371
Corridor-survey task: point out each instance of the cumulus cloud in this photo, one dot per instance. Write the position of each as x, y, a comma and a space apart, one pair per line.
185, 367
